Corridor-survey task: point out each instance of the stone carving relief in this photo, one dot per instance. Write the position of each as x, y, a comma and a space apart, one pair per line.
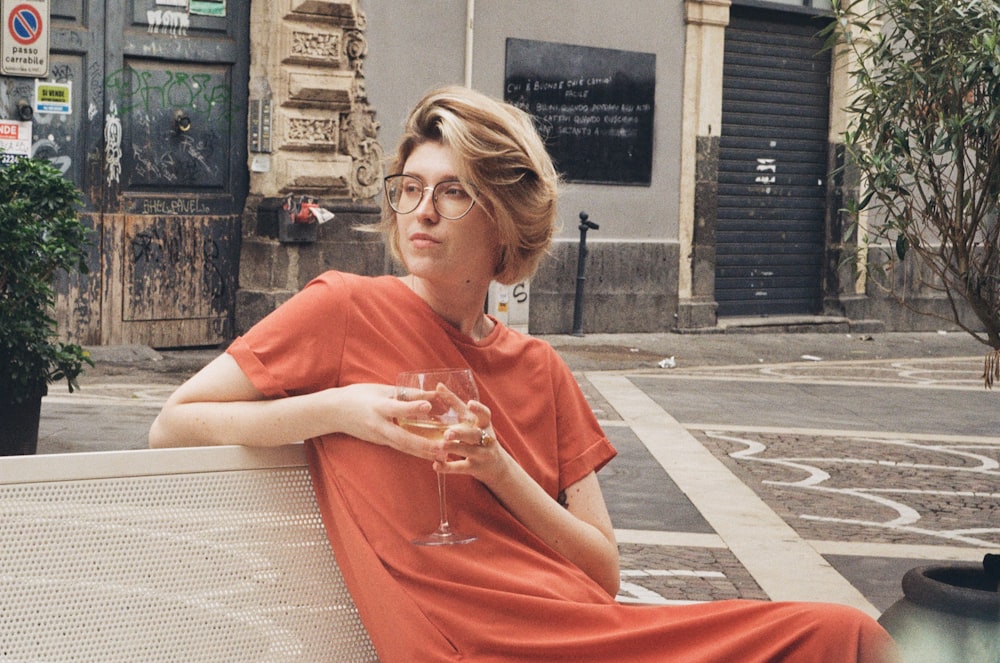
360, 132
324, 101
313, 131
316, 45
357, 48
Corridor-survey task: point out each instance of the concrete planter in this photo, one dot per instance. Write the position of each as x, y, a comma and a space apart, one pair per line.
948, 613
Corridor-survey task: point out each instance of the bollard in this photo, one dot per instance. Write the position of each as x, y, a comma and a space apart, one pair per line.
581, 266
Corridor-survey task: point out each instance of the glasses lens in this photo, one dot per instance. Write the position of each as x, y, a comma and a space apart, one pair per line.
452, 199
403, 193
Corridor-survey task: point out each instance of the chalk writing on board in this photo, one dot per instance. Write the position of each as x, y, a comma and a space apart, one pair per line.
593, 106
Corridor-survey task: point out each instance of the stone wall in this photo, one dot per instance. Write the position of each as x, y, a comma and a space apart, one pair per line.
319, 147
628, 287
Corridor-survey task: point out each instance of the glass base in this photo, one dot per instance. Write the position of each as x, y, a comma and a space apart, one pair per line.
444, 538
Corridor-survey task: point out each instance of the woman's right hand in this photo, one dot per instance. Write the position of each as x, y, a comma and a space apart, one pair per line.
369, 412
219, 405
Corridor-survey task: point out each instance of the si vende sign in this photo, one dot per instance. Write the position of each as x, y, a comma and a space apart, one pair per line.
24, 50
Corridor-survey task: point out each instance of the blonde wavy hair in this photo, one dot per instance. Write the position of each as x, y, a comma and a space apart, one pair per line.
499, 152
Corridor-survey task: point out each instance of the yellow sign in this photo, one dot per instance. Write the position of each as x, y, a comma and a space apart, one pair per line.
54, 97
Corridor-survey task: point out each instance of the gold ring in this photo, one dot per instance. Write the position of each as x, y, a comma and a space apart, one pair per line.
484, 438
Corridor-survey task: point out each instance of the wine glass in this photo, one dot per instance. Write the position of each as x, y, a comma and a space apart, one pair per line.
444, 388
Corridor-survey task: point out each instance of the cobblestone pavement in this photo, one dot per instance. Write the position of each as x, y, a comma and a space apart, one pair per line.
714, 495
890, 489
678, 574
871, 504
950, 372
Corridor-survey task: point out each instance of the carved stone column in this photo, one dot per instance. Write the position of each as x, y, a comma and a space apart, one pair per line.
702, 124
313, 137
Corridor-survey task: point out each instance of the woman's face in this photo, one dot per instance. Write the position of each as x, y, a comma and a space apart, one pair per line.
461, 251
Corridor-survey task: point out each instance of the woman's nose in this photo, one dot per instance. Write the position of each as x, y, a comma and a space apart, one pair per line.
425, 208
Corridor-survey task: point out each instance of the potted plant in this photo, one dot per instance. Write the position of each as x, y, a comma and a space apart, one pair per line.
40, 234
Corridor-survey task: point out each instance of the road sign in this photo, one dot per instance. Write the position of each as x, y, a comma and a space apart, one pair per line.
25, 38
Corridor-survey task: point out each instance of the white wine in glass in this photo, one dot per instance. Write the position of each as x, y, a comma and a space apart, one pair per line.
424, 385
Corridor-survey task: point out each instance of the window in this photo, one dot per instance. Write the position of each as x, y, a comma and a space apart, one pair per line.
823, 5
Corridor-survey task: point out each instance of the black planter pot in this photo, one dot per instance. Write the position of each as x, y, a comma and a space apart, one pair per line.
948, 614
19, 427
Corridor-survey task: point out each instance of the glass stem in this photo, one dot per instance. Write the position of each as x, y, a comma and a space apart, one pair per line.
444, 527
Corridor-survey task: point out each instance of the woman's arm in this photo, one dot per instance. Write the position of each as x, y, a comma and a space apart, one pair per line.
220, 405
581, 531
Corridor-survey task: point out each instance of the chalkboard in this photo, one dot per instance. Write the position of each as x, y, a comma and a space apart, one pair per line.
593, 107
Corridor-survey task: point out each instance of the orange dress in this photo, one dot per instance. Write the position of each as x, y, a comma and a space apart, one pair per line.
507, 596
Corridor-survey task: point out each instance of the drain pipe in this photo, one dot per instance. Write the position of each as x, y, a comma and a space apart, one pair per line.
470, 18
581, 267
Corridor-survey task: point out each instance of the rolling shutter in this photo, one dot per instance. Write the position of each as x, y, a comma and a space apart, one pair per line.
770, 236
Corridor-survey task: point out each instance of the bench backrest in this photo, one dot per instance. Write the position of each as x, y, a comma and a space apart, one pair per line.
181, 555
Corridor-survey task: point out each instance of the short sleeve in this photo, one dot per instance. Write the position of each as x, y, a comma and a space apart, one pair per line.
583, 446
297, 348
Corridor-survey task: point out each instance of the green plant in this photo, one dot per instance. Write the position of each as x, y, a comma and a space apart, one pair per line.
40, 234
924, 135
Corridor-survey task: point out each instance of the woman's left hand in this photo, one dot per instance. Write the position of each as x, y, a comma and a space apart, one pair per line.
472, 448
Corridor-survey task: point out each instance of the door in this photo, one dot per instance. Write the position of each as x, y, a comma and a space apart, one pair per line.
770, 237
162, 93
72, 142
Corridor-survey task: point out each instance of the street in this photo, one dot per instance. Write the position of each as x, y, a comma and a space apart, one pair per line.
826, 481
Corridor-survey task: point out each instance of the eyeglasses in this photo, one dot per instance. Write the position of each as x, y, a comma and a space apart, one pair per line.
451, 198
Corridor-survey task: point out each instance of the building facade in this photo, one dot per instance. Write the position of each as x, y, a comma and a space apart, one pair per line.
205, 135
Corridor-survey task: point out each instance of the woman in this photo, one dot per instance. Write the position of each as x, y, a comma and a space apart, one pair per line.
471, 198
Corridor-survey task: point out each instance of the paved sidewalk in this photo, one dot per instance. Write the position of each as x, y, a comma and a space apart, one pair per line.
764, 465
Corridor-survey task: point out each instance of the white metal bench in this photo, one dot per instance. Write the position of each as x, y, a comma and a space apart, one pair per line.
181, 555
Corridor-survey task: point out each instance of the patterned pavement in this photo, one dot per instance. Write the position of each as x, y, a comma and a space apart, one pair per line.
889, 489
859, 507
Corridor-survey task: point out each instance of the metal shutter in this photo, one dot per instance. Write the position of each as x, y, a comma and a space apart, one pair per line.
772, 165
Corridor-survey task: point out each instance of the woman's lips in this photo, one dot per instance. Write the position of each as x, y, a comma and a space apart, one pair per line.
422, 240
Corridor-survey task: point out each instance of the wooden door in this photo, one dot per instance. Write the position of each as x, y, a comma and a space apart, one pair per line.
166, 179
73, 143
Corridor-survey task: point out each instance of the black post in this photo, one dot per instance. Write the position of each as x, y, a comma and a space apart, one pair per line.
581, 267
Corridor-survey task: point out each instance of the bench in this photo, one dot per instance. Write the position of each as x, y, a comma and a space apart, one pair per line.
186, 555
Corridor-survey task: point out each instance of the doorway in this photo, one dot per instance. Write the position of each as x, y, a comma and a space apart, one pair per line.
156, 141
770, 238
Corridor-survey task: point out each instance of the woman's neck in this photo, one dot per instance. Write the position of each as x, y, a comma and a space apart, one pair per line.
461, 307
